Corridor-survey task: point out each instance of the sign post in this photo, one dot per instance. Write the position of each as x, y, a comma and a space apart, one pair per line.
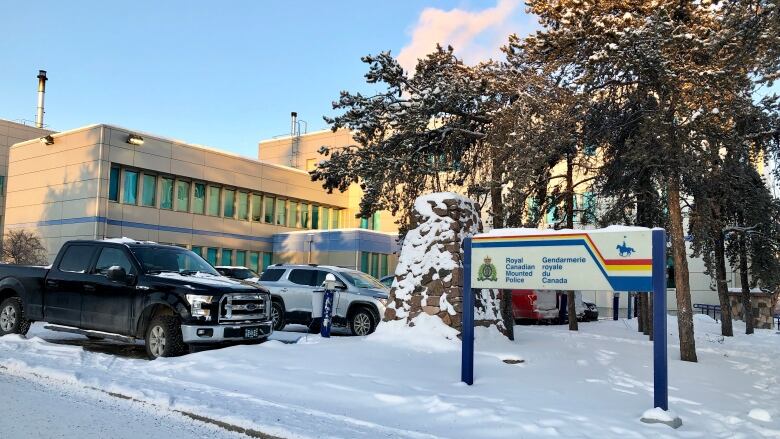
617, 259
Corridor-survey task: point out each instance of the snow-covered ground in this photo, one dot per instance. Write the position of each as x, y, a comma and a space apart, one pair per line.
34, 409
595, 383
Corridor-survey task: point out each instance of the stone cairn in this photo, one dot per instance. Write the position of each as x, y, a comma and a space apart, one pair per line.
429, 276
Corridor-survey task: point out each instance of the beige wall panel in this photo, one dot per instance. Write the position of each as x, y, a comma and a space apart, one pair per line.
80, 229
204, 222
32, 214
248, 182
174, 238
175, 219
152, 145
151, 162
187, 169
147, 215
113, 231
57, 160
188, 154
115, 210
121, 155
219, 176
79, 208
62, 143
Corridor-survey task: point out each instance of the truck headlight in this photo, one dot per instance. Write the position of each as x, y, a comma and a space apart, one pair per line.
196, 304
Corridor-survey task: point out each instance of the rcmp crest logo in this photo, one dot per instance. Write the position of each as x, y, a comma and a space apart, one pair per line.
487, 271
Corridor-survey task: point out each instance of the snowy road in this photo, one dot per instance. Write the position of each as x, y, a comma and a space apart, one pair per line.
33, 409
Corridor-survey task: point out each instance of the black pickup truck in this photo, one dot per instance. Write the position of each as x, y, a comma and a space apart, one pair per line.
128, 290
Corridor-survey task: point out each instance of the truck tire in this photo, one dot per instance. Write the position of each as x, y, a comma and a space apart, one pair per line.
12, 320
277, 315
163, 338
362, 322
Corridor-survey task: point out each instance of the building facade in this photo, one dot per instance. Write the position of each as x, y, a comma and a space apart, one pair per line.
105, 181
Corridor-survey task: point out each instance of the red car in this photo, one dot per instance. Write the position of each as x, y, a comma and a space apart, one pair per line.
544, 306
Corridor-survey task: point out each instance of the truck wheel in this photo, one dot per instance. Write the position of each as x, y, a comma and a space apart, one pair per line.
163, 338
12, 319
277, 316
362, 322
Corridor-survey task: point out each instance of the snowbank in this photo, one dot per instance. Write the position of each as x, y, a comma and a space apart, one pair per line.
594, 383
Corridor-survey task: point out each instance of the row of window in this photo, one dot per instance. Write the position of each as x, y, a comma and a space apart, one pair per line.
256, 261
130, 186
584, 209
375, 264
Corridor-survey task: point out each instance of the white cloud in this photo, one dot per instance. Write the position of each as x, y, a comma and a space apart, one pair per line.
475, 35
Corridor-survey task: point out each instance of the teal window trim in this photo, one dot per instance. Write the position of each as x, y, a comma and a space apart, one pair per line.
130, 187
113, 184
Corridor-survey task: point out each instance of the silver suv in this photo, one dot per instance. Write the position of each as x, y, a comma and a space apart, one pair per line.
359, 302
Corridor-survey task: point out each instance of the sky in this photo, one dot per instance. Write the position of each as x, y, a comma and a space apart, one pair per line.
223, 74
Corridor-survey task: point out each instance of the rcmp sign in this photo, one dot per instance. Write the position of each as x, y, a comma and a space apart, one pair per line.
606, 259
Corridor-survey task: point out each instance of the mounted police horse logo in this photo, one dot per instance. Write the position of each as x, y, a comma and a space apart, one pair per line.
624, 250
487, 271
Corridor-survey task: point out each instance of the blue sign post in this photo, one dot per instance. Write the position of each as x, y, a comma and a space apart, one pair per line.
613, 259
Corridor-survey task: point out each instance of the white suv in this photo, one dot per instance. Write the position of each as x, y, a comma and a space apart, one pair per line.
359, 302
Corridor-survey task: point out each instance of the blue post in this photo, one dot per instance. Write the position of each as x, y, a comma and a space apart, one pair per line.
660, 361
629, 313
615, 306
327, 314
467, 352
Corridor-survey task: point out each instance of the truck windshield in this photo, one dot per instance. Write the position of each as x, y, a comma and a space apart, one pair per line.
361, 280
172, 260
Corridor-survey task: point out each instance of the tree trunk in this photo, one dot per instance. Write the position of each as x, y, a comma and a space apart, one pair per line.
650, 315
681, 278
726, 327
645, 314
497, 208
572, 304
640, 323
747, 308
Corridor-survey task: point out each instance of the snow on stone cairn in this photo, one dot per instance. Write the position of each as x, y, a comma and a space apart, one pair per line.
429, 276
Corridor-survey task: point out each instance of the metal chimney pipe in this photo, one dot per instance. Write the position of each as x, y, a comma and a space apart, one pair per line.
41, 91
293, 123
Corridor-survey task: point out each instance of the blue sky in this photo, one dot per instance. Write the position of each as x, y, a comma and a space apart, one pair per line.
224, 74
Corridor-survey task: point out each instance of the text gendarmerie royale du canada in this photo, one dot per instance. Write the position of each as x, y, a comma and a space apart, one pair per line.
517, 270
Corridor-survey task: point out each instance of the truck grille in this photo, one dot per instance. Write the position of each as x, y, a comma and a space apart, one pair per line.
234, 308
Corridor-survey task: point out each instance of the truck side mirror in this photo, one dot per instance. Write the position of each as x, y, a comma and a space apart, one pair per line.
116, 274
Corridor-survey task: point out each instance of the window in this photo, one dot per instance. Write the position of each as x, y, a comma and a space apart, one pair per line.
302, 277
319, 278
304, 216
315, 217
112, 257
2, 184
211, 255
364, 258
162, 259
589, 207
229, 203
268, 215
335, 218
375, 221
227, 257
311, 164
113, 184
213, 201
149, 191
374, 265
363, 223
385, 267
324, 218
130, 187
241, 258
272, 275
198, 250
257, 207
267, 260
670, 280
293, 214
254, 261
182, 196
281, 212
243, 206
77, 258
198, 198
166, 193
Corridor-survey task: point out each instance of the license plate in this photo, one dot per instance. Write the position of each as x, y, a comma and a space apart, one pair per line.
252, 332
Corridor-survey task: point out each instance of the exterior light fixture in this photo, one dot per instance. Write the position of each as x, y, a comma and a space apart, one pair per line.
47, 139
135, 139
